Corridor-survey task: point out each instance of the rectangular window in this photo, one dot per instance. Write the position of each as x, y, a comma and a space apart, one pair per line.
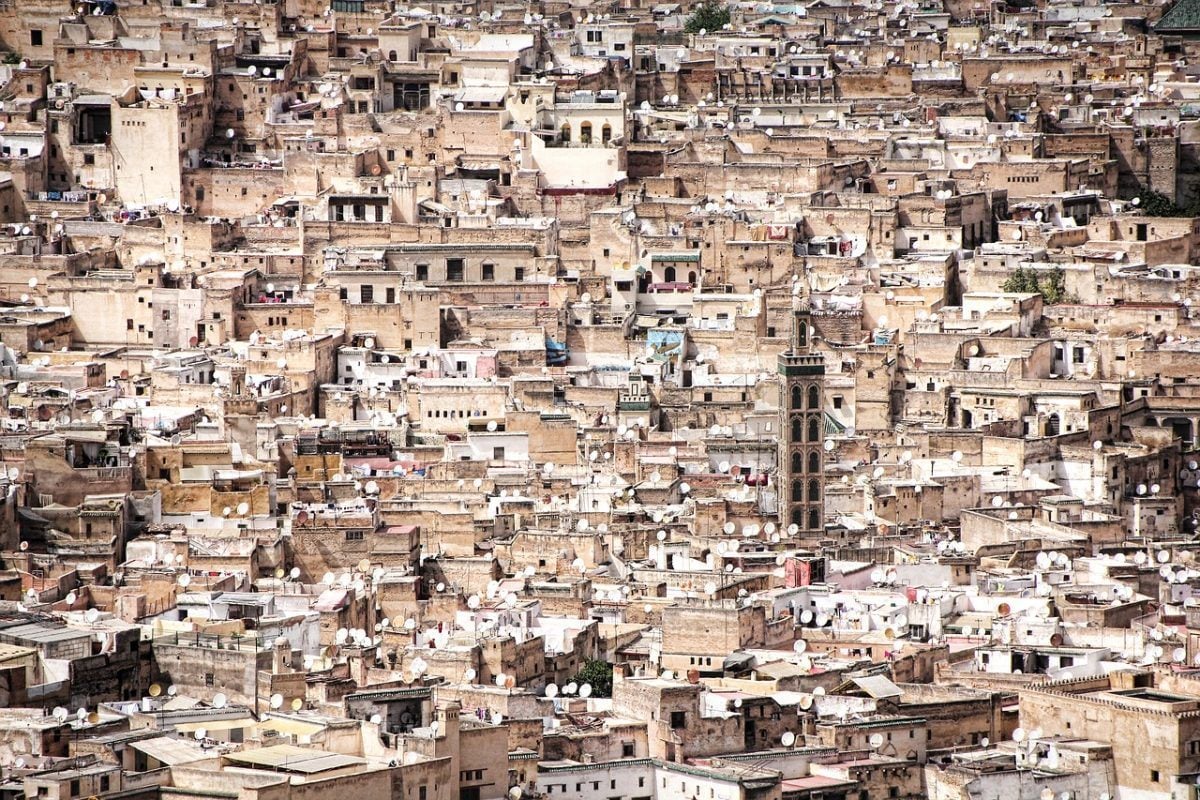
454, 269
354, 536
366, 293
422, 272
489, 272
519, 274
35, 38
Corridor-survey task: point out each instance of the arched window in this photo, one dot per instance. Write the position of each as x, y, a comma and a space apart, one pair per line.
814, 396
797, 462
692, 278
814, 462
814, 489
814, 519
669, 275
564, 133
606, 133
802, 333
797, 516
585, 133
797, 397
797, 491
797, 430
1052, 425
814, 432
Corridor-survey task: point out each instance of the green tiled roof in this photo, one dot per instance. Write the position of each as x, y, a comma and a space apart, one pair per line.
832, 426
1184, 16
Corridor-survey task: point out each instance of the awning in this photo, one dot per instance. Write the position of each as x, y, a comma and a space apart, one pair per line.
877, 686
91, 437
482, 94
478, 166
434, 205
171, 751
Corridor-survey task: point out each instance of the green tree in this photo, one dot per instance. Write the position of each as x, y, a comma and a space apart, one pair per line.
1052, 286
710, 15
1155, 204
1022, 280
599, 675
12, 58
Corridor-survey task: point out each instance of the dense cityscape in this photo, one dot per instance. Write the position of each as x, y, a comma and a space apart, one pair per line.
718, 400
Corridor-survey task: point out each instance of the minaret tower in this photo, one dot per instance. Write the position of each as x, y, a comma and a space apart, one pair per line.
801, 470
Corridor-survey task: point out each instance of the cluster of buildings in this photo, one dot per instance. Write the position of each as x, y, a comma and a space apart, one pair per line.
618, 401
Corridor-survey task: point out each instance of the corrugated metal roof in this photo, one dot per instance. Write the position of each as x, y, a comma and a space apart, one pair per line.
289, 758
877, 686
170, 751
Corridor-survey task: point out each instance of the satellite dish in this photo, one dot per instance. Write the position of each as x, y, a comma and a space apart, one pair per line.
220, 700
276, 701
92, 616
876, 741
